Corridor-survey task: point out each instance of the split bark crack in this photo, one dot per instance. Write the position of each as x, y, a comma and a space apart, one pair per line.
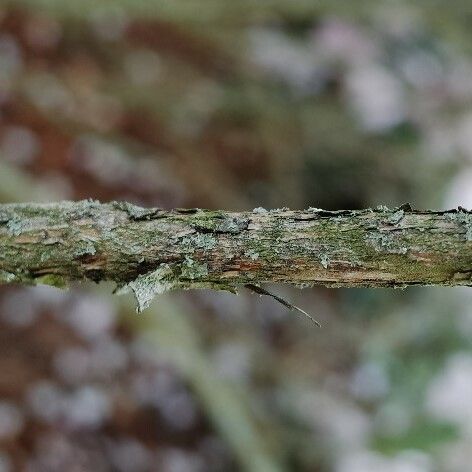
151, 250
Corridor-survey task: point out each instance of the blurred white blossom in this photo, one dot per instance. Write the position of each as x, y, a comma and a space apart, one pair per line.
422, 69
460, 190
91, 316
284, 58
343, 424
49, 93
464, 136
232, 361
369, 382
336, 39
84, 408
377, 97
449, 396
46, 401
87, 407
101, 361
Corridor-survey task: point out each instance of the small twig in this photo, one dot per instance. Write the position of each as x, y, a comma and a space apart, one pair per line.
150, 250
262, 291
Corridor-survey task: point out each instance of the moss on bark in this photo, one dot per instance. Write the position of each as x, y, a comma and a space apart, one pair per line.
61, 242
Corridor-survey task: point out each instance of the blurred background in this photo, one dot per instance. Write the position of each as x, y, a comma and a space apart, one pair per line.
236, 105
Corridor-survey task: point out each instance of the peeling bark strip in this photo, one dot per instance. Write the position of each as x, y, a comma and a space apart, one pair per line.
149, 250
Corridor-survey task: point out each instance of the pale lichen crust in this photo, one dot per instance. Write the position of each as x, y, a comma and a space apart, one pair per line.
146, 287
6, 277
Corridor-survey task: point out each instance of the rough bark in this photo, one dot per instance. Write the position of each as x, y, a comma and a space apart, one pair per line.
149, 250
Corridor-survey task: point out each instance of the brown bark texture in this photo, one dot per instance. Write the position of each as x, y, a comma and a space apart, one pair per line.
150, 250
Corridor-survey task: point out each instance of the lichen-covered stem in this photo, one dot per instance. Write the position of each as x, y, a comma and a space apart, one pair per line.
151, 250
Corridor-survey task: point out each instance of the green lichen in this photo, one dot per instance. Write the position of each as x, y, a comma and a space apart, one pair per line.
166, 278
396, 217
146, 287
253, 255
136, 212
87, 249
45, 256
191, 269
465, 277
386, 242
324, 259
287, 247
464, 218
6, 277
202, 241
218, 222
80, 209
53, 280
260, 210
17, 226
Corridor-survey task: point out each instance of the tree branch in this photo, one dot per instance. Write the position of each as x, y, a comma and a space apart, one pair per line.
149, 250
